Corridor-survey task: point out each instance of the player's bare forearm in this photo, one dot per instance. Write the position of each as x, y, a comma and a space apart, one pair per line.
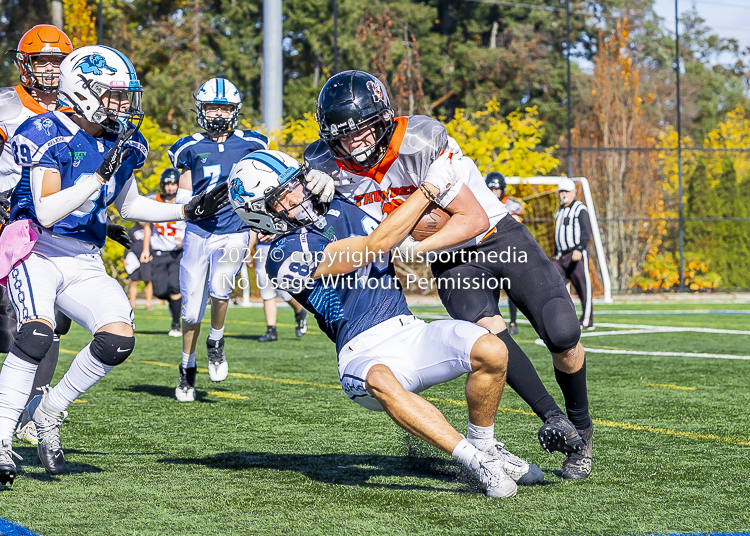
344, 256
468, 220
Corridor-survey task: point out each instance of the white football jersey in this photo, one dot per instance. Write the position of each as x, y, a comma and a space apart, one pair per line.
416, 143
167, 236
16, 106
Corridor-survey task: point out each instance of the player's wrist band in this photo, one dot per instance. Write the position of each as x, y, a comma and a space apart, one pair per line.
427, 193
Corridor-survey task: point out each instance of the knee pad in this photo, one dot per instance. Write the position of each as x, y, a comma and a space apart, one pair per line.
33, 341
62, 323
111, 349
561, 325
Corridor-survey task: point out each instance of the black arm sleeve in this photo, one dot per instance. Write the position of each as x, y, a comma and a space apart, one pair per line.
585, 223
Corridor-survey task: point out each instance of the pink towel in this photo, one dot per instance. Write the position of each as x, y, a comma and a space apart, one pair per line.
16, 242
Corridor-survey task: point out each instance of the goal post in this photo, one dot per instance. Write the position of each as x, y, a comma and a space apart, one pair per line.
588, 200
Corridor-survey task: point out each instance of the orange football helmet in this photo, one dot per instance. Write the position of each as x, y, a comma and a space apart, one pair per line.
41, 40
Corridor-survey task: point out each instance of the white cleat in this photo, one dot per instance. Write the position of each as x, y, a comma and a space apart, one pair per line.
490, 473
521, 471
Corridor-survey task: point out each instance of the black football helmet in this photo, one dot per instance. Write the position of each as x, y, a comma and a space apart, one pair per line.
350, 102
495, 180
168, 176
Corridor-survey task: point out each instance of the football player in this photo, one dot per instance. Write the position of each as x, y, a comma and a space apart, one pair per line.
164, 244
385, 354
75, 164
213, 249
379, 160
38, 56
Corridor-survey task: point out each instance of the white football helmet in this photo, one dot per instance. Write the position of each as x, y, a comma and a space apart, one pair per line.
258, 186
218, 91
88, 73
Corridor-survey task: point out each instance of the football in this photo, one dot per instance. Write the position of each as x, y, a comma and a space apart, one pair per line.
433, 219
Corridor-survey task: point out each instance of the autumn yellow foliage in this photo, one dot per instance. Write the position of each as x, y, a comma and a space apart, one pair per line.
661, 272
79, 23
505, 144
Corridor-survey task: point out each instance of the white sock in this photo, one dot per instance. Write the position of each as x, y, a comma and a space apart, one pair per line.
188, 360
216, 334
82, 375
16, 381
481, 436
464, 452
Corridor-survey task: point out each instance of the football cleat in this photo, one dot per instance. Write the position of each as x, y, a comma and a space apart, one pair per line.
558, 434
493, 478
521, 471
578, 464
185, 391
7, 465
300, 320
513, 329
27, 432
176, 330
270, 335
48, 425
218, 369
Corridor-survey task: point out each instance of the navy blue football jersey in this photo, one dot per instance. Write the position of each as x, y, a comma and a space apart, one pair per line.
53, 140
345, 305
210, 163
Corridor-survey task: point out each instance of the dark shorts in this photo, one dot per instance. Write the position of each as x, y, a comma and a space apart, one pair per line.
165, 273
142, 273
509, 259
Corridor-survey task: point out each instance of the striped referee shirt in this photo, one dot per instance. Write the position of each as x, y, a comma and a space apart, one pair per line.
572, 228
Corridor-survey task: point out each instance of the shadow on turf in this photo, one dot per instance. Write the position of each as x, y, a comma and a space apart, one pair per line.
346, 469
165, 392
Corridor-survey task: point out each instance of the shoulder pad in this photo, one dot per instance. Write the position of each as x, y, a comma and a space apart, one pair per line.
10, 104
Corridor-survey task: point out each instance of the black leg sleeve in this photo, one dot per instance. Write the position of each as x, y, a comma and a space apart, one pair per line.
574, 390
524, 380
513, 311
175, 308
46, 369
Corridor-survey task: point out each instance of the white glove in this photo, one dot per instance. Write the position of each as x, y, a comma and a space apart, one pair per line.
405, 248
454, 148
320, 184
441, 174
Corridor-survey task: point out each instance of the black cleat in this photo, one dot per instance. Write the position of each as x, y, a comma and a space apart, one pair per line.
558, 434
48, 425
270, 335
7, 465
578, 464
185, 391
300, 319
513, 329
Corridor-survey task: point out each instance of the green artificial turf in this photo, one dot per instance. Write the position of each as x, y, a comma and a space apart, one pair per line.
277, 448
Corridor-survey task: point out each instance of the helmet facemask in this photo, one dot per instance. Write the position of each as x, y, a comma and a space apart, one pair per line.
32, 77
217, 125
112, 117
295, 214
361, 159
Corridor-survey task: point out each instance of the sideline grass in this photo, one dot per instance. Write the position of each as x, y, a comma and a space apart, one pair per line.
278, 449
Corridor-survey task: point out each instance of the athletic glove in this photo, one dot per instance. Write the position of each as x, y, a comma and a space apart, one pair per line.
119, 234
116, 155
319, 184
441, 174
4, 208
206, 204
405, 248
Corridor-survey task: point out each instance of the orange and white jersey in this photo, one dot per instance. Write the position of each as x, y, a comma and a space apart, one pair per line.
416, 143
16, 106
167, 236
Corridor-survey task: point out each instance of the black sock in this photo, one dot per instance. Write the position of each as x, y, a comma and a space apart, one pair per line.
524, 380
513, 311
46, 369
175, 309
574, 390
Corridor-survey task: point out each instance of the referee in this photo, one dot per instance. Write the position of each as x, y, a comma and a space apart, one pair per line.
572, 233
